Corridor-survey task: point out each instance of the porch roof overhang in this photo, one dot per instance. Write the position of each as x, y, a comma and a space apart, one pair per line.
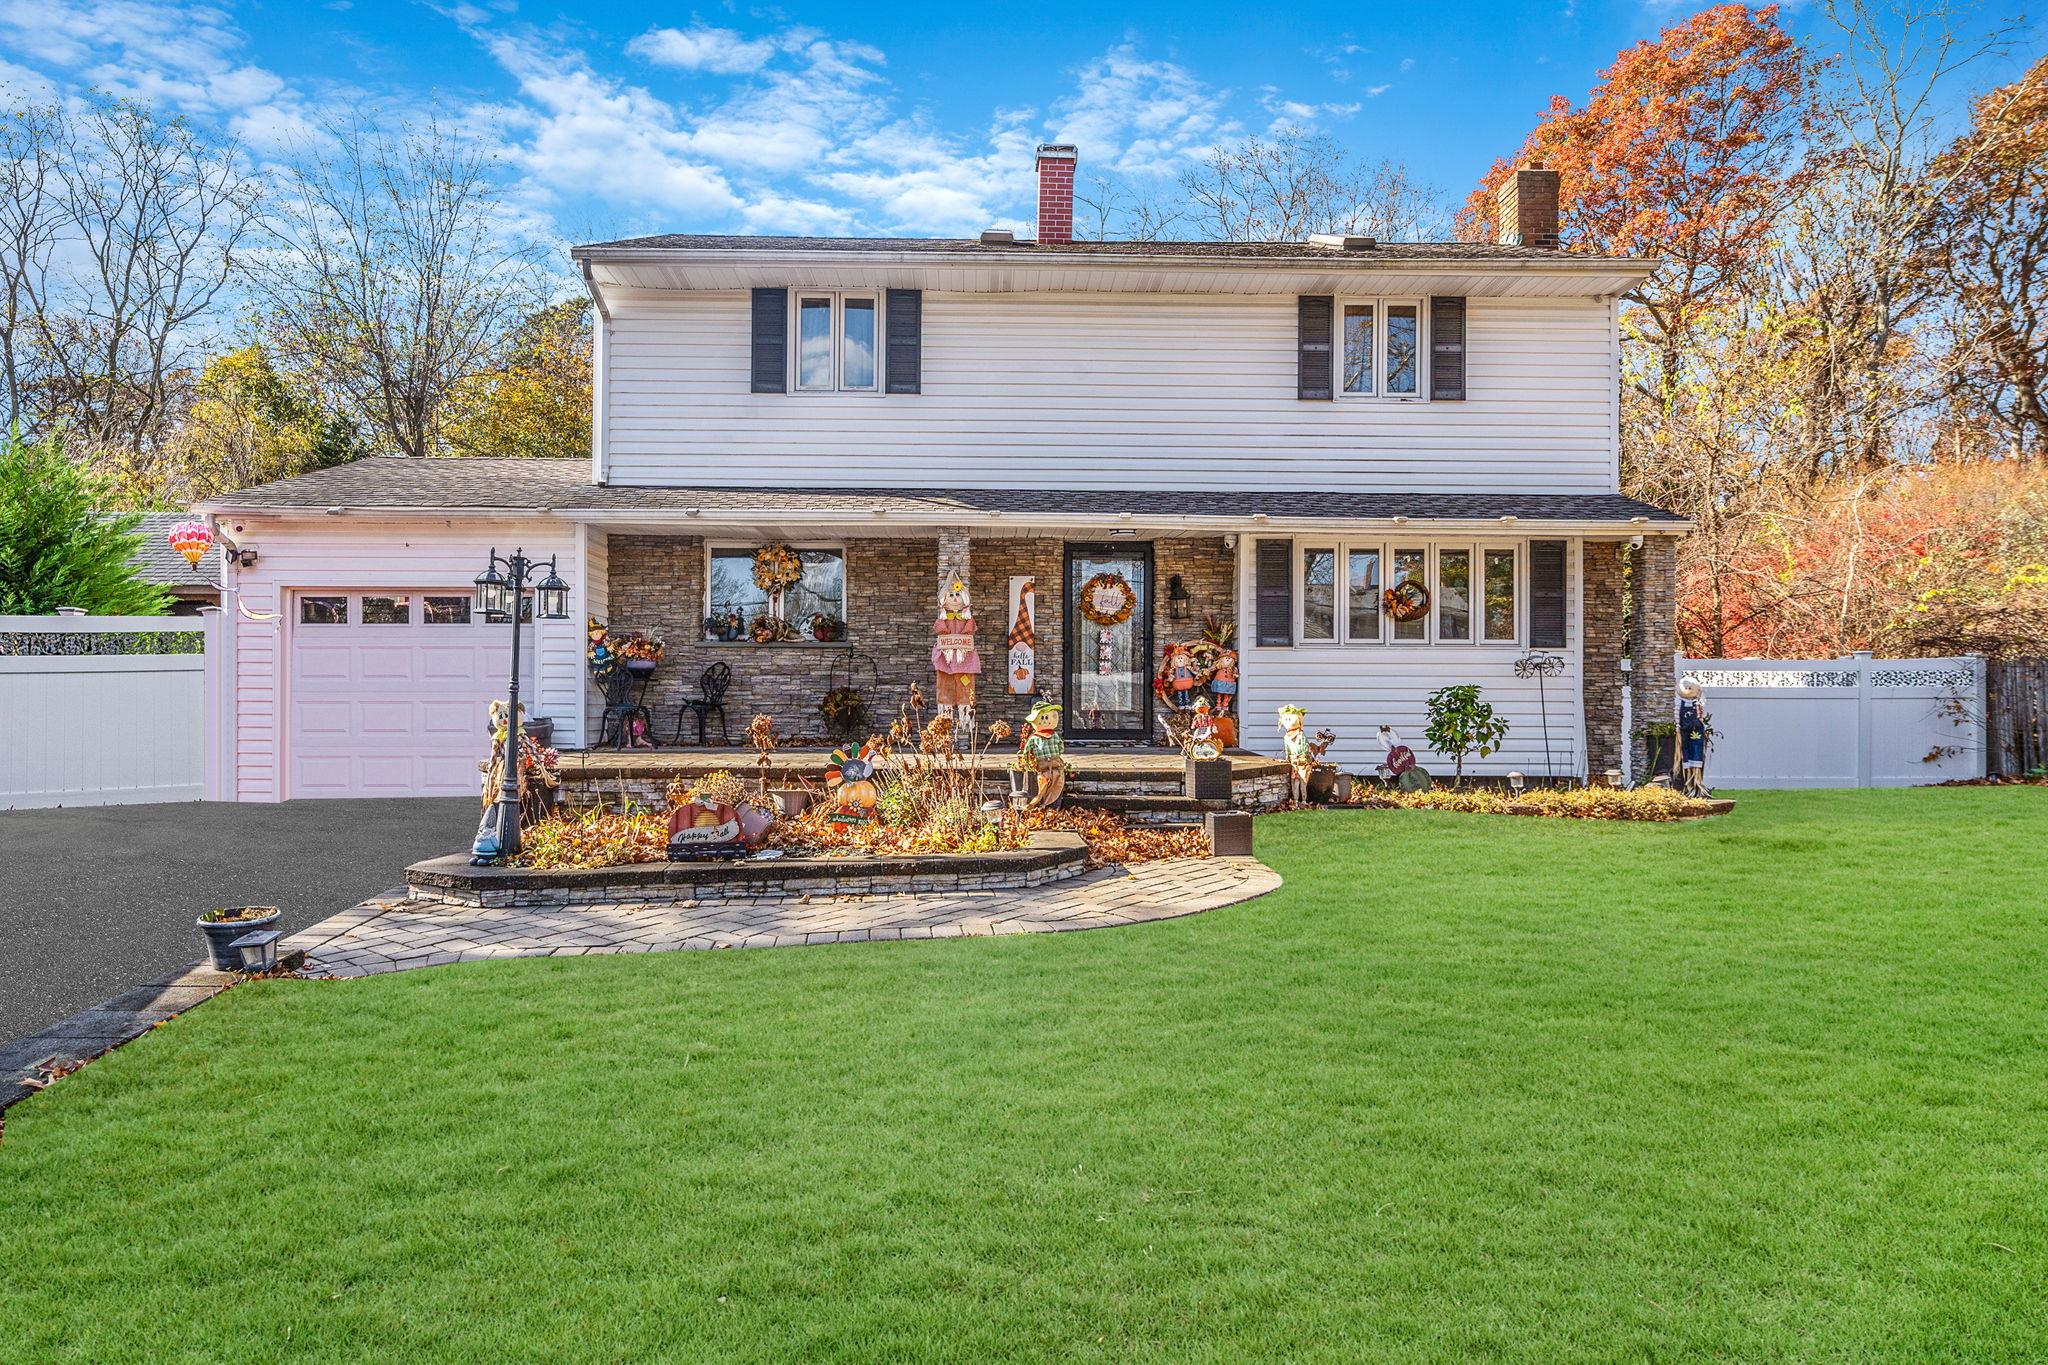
560, 490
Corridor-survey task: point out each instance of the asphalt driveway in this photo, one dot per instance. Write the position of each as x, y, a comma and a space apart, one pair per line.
95, 899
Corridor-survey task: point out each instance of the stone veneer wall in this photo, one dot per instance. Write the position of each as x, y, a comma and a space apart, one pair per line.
1601, 649
657, 585
1653, 638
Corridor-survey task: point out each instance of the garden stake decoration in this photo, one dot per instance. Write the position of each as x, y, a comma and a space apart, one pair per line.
191, 539
1540, 666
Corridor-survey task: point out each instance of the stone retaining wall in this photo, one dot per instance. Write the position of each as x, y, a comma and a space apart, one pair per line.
1052, 855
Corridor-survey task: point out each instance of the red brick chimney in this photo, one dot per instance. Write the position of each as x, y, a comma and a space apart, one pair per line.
1528, 207
1056, 192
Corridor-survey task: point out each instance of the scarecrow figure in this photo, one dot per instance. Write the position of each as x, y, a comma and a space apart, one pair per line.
1180, 675
1202, 737
953, 655
491, 834
1692, 737
1301, 759
1042, 751
1223, 682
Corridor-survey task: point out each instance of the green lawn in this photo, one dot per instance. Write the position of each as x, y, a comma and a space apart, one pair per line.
1773, 1086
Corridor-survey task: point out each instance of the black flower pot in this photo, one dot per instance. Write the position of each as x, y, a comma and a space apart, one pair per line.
1322, 785
219, 934
1663, 749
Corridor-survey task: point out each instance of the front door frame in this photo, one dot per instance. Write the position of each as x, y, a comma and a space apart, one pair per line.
1071, 631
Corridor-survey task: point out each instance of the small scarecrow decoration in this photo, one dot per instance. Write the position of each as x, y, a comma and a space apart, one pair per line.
1041, 750
1204, 742
1298, 750
851, 783
1695, 728
954, 657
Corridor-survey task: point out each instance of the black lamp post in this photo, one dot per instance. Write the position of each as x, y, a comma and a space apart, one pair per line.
498, 596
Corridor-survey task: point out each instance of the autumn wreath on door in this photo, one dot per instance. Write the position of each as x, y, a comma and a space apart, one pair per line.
1107, 599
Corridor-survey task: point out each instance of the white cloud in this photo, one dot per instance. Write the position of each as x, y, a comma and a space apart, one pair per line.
1373, 92
702, 49
1140, 117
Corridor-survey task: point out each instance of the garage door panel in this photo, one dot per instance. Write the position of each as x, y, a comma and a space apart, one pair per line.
394, 709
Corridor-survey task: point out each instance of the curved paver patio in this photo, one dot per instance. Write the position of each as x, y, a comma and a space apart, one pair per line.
394, 933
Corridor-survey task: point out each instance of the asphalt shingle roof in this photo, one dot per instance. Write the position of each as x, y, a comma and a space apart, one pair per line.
159, 563
563, 485
1250, 251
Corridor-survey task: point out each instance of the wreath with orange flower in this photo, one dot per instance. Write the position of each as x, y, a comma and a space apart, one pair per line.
1102, 613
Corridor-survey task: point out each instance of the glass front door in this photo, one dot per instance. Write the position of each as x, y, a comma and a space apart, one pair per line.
1109, 642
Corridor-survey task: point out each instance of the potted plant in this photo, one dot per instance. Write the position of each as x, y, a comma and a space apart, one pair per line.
640, 651
1322, 783
222, 927
726, 626
827, 629
1661, 738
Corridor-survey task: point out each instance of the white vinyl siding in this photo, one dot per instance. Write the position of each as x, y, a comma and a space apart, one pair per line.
1110, 391
1354, 688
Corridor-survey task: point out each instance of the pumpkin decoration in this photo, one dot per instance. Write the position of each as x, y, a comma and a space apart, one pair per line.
851, 781
1407, 600
1107, 599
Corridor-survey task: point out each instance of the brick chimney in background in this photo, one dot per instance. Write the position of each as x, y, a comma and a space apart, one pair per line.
1056, 192
1528, 207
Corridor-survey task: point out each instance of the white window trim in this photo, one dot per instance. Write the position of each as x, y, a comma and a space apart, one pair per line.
1342, 546
837, 337
712, 547
1376, 393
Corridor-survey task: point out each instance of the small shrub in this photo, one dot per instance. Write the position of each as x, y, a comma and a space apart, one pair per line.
1564, 803
1460, 724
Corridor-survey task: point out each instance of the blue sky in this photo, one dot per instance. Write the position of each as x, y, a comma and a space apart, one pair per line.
919, 119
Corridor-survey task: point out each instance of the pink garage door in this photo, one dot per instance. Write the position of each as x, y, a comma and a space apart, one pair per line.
389, 692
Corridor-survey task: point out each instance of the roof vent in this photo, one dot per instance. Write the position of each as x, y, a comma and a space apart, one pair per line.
1337, 241
998, 237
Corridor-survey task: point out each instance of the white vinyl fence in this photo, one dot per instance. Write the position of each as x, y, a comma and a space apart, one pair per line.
104, 710
1850, 722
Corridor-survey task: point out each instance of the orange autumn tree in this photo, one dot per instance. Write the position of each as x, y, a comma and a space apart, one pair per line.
1688, 149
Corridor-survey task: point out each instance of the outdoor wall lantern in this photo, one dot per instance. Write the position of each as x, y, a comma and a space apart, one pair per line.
1176, 599
258, 950
551, 598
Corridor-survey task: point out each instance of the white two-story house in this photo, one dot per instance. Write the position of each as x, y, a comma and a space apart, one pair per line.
1272, 435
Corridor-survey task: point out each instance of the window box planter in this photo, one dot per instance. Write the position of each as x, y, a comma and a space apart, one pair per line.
1208, 779
222, 932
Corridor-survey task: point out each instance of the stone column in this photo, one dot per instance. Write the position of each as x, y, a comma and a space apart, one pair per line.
1601, 648
1653, 640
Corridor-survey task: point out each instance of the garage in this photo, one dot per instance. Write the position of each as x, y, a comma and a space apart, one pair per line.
388, 692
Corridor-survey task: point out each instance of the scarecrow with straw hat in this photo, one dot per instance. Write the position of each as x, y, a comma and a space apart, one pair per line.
1693, 729
1294, 742
1042, 751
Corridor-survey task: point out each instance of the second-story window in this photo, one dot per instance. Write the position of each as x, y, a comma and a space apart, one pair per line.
838, 338
1383, 348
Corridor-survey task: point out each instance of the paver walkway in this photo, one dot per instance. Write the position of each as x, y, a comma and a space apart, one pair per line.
394, 933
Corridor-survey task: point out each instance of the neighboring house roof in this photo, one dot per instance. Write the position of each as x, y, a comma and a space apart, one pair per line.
159, 563
563, 486
1246, 251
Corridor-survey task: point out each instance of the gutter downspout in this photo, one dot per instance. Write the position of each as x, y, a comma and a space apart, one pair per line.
600, 376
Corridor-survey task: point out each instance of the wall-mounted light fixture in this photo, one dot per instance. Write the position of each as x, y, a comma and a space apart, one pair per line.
1176, 599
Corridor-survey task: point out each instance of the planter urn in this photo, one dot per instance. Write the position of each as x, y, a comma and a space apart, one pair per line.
220, 933
1322, 785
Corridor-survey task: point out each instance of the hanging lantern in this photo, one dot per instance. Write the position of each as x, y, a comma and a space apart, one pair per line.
191, 539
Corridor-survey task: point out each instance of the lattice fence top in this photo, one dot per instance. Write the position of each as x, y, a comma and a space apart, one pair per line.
79, 643
1935, 675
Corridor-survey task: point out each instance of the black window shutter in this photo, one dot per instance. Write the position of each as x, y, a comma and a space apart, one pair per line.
1447, 348
1313, 325
906, 340
1546, 594
771, 341
1273, 592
